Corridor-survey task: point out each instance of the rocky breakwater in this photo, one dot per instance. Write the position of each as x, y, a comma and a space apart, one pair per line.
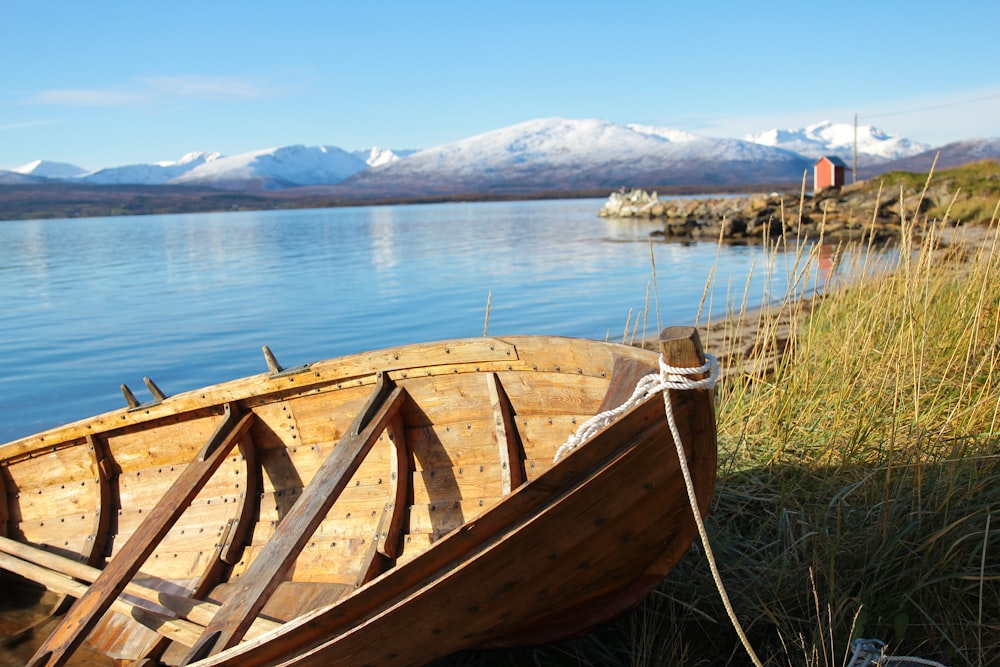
855, 212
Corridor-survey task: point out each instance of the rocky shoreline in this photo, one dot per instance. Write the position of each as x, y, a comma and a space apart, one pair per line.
850, 212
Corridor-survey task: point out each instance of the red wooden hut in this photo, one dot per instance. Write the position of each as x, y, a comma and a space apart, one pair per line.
829, 171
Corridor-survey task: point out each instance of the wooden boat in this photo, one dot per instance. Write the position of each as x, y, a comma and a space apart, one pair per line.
385, 508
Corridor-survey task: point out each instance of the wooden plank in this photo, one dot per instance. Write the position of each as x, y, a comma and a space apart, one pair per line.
292, 470
322, 418
106, 474
93, 548
383, 549
344, 628
414, 545
50, 503
512, 474
291, 599
196, 611
464, 483
4, 512
458, 398
422, 359
229, 548
320, 561
471, 444
203, 528
453, 444
345, 519
183, 631
549, 393
85, 490
439, 519
59, 513
163, 443
66, 464
625, 374
454, 548
87, 611
269, 568
419, 359
541, 436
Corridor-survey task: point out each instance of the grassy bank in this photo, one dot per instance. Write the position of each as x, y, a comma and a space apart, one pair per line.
967, 193
859, 481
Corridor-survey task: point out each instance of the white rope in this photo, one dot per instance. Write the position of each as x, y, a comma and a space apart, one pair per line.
693, 499
871, 653
670, 377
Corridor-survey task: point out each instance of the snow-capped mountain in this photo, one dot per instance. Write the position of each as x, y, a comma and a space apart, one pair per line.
149, 174
275, 168
11, 177
49, 169
826, 138
955, 154
565, 154
663, 132
376, 156
548, 154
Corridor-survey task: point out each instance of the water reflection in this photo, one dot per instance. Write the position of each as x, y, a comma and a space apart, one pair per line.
189, 299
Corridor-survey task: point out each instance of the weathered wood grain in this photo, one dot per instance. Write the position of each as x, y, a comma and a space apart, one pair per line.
87, 610
349, 513
275, 559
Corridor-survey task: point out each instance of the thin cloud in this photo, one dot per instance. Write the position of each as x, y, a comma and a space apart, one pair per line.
82, 97
209, 87
156, 90
24, 125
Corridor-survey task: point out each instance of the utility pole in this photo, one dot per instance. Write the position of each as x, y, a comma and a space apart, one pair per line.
854, 178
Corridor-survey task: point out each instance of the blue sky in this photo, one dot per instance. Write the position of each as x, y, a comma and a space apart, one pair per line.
102, 83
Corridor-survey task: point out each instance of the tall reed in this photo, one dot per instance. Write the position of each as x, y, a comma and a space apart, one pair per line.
859, 442
860, 472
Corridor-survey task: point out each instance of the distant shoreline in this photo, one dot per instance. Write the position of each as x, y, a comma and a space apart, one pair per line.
75, 200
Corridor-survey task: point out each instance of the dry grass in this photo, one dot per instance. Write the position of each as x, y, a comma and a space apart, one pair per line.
859, 474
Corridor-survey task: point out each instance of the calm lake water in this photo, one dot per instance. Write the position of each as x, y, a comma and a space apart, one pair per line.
189, 300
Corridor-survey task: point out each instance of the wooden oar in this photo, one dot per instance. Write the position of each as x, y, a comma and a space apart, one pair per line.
177, 629
268, 569
88, 609
67, 569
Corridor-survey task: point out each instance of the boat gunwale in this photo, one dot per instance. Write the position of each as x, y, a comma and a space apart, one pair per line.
470, 355
321, 376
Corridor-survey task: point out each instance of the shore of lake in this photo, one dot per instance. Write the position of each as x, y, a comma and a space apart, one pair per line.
877, 209
752, 341
858, 475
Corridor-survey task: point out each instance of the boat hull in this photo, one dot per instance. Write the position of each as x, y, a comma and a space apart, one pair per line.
449, 519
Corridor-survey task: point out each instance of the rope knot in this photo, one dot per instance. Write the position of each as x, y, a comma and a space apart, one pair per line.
669, 377
674, 377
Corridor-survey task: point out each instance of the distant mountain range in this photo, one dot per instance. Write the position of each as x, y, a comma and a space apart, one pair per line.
545, 155
267, 169
826, 138
558, 155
